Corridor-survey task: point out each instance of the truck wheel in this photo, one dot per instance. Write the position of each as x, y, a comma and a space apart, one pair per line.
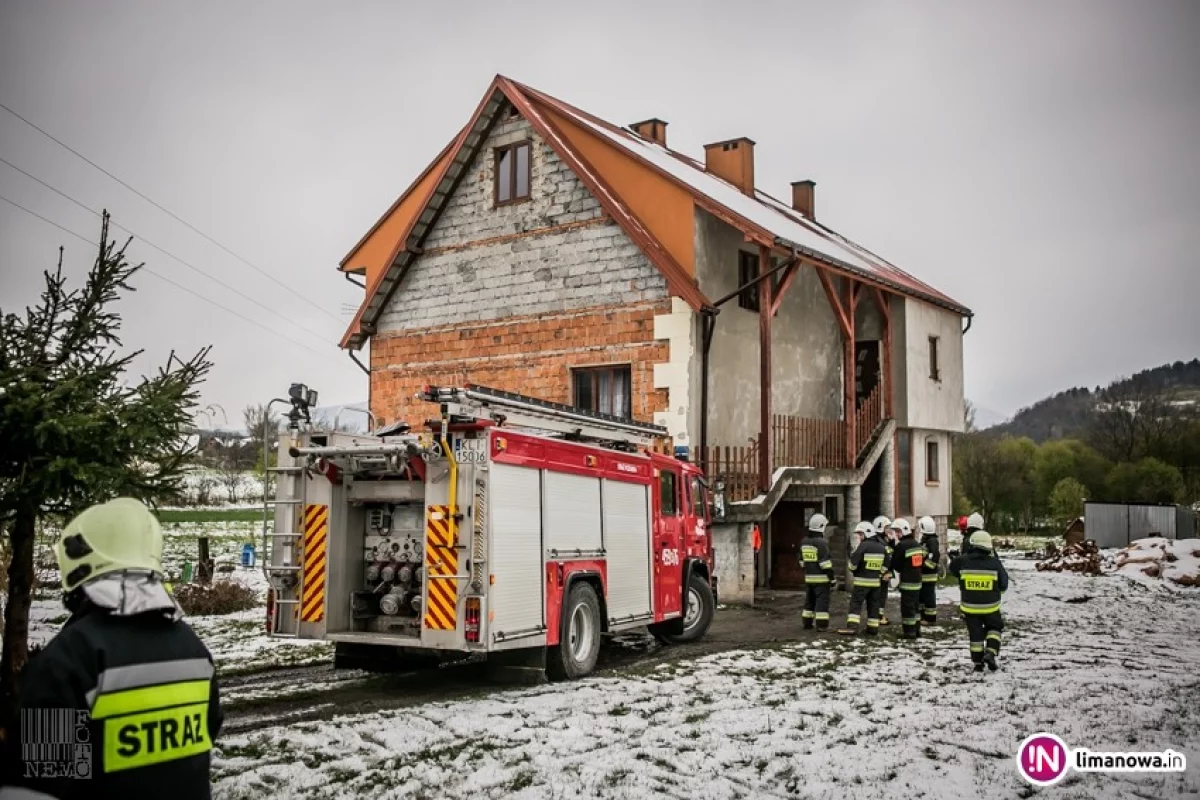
579, 635
697, 614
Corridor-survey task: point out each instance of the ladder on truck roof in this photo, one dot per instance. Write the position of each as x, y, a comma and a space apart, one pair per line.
510, 408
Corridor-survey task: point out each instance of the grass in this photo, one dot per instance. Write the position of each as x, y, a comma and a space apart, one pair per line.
179, 515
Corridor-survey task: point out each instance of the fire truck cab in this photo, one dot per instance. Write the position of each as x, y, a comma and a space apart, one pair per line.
509, 528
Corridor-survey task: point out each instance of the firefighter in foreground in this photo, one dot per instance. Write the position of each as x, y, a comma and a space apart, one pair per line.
982, 579
882, 527
125, 658
868, 562
908, 559
818, 573
929, 570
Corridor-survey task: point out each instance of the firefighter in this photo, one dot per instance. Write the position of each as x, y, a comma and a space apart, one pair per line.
929, 570
982, 579
908, 558
818, 573
868, 562
974, 523
125, 663
882, 527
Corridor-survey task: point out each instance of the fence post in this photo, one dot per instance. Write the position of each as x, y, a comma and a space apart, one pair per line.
204, 565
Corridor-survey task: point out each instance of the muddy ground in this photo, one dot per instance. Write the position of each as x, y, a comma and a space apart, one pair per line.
301, 694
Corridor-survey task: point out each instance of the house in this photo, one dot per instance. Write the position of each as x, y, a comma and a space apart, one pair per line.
549, 252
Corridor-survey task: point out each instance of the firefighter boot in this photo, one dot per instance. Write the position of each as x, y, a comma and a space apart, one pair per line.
989, 658
910, 631
807, 617
978, 666
823, 624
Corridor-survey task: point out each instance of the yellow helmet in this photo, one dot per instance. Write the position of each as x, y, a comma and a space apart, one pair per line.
119, 535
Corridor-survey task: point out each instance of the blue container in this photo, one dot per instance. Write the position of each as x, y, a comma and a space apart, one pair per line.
248, 555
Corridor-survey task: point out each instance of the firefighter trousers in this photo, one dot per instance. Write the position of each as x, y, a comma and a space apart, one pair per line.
816, 605
870, 596
883, 596
910, 612
984, 631
929, 600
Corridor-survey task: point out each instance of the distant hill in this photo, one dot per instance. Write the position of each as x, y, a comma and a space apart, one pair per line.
1068, 413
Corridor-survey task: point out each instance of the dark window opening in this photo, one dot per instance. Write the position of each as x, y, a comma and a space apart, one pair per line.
904, 472
513, 173
747, 271
931, 461
831, 509
603, 389
668, 493
935, 370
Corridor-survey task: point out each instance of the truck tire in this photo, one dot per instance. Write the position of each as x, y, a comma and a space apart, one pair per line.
579, 635
697, 612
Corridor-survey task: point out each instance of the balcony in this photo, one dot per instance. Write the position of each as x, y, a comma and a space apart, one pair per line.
797, 442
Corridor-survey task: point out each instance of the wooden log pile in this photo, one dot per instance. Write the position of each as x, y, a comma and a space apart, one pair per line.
1083, 557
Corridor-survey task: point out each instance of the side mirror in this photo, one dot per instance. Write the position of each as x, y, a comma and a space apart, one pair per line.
718, 500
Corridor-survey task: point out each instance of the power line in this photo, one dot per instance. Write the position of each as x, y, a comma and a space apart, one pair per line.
166, 211
146, 241
87, 241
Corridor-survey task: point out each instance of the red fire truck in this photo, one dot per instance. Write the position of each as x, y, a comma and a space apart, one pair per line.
509, 528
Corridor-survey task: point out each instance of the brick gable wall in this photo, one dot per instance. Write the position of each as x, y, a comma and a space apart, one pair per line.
515, 297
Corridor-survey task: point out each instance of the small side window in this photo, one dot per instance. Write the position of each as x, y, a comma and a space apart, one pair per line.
668, 493
699, 502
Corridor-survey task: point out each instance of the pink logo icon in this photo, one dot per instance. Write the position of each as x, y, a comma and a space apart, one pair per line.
1042, 759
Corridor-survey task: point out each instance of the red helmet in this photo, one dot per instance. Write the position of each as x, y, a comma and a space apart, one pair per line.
962, 524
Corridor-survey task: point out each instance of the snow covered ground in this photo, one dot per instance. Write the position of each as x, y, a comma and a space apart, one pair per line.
1103, 662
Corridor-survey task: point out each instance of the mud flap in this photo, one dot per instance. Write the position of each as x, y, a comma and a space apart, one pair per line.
524, 667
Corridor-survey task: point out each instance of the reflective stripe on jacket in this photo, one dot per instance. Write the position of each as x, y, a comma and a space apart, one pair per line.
814, 555
908, 559
868, 563
143, 686
933, 557
981, 579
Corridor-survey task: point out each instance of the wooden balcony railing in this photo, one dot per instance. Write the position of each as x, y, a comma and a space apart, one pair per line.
798, 442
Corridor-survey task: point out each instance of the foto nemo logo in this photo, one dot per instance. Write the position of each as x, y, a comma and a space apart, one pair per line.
1042, 759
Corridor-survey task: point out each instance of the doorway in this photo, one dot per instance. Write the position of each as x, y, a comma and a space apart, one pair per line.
788, 524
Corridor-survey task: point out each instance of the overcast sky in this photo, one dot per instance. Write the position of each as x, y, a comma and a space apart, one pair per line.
1037, 162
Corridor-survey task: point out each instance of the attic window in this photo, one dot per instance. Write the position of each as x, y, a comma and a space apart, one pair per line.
512, 173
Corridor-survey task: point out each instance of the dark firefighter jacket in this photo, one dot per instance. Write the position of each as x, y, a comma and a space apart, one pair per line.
982, 579
933, 558
868, 562
908, 560
142, 693
814, 555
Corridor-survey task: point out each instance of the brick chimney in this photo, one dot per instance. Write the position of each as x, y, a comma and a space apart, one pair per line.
732, 160
804, 198
653, 129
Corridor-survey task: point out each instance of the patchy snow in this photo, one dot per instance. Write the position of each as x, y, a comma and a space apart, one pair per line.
1103, 663
1158, 561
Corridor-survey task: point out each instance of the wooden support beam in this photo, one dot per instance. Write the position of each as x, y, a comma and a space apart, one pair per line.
789, 275
834, 302
851, 376
885, 310
765, 312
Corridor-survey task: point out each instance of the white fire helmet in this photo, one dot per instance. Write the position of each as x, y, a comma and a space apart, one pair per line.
975, 522
863, 530
817, 523
900, 524
926, 526
881, 523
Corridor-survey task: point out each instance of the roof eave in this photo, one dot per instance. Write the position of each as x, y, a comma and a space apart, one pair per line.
842, 266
